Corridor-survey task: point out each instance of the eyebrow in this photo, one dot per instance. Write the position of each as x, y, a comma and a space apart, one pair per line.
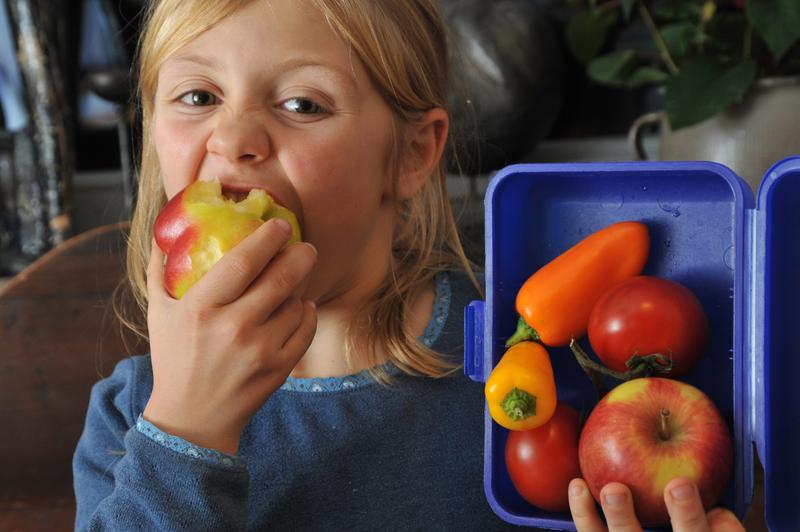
196, 59
284, 66
298, 63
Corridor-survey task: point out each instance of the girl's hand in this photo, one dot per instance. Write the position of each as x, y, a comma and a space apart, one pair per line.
220, 351
680, 495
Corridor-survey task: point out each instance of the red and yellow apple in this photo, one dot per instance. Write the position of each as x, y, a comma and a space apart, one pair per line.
647, 431
200, 224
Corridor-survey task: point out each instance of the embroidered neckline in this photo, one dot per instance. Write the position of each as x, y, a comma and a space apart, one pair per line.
434, 328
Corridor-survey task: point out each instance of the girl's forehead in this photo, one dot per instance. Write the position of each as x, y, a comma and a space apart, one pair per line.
271, 27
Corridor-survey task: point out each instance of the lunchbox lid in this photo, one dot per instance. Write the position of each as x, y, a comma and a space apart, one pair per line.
773, 390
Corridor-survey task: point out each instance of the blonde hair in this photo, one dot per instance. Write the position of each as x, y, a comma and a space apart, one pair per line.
403, 46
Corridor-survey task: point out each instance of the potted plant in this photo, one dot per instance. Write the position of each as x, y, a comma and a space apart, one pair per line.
706, 54
728, 71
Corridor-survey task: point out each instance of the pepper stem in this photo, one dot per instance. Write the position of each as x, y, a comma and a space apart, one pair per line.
524, 332
519, 405
663, 431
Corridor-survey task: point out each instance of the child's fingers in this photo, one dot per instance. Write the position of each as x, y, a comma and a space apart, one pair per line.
617, 503
685, 508
298, 343
278, 281
234, 272
722, 520
284, 322
582, 507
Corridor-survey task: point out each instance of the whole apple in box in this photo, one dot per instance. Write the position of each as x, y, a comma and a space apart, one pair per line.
646, 432
200, 224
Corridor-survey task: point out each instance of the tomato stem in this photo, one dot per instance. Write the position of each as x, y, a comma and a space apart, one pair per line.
664, 432
592, 369
519, 404
639, 366
523, 333
649, 364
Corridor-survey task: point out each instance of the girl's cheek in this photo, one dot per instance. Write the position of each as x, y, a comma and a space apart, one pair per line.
179, 154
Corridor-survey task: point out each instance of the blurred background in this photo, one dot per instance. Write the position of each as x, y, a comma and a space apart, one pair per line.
68, 135
534, 81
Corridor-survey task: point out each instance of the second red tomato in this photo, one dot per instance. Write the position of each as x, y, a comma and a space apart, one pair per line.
645, 315
541, 461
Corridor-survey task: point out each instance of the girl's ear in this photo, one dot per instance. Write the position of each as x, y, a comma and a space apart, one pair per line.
424, 143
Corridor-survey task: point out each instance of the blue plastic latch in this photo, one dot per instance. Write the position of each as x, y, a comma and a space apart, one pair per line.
473, 340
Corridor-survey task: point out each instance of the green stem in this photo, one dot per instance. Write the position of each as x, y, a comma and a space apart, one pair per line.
523, 333
747, 45
658, 39
592, 369
638, 366
519, 404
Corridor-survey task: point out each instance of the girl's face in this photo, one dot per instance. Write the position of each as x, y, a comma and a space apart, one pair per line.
272, 98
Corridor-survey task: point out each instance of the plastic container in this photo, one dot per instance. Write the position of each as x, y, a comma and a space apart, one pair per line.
741, 257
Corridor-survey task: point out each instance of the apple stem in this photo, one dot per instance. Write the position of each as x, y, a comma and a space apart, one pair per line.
663, 431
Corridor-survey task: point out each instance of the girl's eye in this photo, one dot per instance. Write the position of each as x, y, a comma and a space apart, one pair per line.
303, 106
198, 98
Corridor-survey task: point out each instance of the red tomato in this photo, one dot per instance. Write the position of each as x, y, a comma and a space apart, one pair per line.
645, 315
542, 461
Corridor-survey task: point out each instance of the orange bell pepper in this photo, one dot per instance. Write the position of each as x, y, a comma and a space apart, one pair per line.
521, 389
555, 302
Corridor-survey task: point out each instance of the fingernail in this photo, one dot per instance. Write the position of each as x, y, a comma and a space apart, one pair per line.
576, 489
614, 499
283, 225
682, 492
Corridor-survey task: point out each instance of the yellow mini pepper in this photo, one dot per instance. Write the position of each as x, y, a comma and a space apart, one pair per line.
521, 390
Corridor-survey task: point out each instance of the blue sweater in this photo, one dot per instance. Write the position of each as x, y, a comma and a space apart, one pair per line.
321, 454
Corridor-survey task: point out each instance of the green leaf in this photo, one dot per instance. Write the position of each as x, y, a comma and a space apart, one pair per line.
678, 10
777, 21
646, 76
587, 32
627, 8
705, 87
725, 34
681, 37
612, 69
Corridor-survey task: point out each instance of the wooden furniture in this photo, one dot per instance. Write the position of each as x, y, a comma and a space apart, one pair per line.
58, 336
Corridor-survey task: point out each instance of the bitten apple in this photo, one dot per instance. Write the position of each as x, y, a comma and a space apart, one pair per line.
646, 432
200, 224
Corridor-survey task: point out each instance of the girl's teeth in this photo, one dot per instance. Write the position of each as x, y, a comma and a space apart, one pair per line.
235, 196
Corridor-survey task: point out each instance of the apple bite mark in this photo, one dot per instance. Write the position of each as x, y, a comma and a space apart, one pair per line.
200, 224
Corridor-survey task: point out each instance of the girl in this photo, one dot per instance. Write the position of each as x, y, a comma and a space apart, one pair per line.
313, 386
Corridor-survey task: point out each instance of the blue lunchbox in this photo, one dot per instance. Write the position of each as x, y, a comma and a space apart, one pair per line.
739, 255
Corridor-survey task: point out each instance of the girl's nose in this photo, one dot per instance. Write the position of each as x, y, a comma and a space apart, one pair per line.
240, 139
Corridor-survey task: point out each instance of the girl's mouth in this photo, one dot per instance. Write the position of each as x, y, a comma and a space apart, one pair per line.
235, 195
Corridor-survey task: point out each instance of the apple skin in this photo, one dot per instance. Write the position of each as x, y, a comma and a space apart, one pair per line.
621, 442
199, 225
